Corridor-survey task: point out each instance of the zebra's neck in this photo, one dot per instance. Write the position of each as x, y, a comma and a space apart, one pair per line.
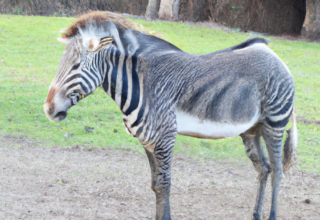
120, 78
121, 67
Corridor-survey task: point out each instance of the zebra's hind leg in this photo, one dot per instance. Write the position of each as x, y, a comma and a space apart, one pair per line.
273, 139
160, 157
254, 151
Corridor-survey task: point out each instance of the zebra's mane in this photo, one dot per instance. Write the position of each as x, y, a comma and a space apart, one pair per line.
93, 23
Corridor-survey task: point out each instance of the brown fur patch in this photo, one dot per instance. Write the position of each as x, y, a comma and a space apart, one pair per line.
91, 44
99, 17
50, 96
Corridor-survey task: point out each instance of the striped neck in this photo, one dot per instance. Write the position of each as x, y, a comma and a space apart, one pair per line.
120, 78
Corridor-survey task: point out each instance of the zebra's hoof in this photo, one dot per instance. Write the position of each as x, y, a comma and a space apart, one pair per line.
256, 216
273, 216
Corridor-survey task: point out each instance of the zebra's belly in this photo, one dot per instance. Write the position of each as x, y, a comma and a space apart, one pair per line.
189, 125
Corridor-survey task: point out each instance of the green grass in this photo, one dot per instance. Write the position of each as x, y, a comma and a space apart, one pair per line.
29, 59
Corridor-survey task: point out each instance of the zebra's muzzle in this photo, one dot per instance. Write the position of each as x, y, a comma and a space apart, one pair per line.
56, 111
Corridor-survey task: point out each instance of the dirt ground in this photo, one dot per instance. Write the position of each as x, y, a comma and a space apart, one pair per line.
92, 183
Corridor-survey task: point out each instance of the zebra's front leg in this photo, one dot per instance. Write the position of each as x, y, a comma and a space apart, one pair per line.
160, 156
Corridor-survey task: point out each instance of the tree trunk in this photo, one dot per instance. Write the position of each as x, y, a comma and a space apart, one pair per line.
169, 9
311, 25
165, 11
175, 10
152, 9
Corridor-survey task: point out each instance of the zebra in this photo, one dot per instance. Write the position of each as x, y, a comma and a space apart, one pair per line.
245, 90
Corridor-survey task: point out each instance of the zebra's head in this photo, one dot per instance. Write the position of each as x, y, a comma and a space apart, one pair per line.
71, 83
74, 79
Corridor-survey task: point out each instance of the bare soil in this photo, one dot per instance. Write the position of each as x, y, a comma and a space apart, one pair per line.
308, 121
39, 182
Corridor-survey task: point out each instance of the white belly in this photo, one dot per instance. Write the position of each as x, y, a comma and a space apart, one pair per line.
192, 126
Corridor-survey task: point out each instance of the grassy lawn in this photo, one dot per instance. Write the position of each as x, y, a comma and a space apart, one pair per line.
29, 59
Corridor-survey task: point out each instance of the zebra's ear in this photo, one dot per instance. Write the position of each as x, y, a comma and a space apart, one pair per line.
96, 44
63, 40
93, 44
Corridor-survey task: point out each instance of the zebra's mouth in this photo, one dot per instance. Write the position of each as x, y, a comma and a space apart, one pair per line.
75, 97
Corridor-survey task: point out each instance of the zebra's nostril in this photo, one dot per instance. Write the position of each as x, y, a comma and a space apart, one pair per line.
51, 111
61, 115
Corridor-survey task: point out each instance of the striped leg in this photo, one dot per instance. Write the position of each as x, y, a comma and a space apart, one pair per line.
254, 151
273, 139
160, 163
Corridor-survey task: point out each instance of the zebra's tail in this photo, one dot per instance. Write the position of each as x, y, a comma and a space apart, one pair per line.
290, 146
